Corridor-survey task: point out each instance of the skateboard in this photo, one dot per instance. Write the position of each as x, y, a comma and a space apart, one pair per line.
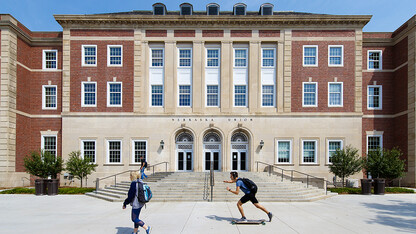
249, 221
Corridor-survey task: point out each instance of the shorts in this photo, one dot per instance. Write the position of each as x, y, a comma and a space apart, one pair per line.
249, 197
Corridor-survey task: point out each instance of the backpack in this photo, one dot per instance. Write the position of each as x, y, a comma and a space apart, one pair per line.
144, 194
249, 184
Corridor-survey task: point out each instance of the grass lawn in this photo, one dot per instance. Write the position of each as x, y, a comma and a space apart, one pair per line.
61, 190
358, 190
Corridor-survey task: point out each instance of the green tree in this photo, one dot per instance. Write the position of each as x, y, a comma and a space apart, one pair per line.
79, 167
384, 163
43, 164
345, 162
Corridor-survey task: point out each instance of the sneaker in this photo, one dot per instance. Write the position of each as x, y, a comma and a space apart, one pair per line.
270, 216
243, 219
148, 230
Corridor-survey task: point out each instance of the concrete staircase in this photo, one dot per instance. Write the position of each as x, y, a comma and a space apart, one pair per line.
194, 186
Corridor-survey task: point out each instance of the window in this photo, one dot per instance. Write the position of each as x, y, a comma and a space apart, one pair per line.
333, 146
309, 151
240, 93
374, 142
310, 55
184, 95
186, 9
89, 55
139, 151
239, 9
157, 95
114, 151
268, 57
159, 9
213, 56
114, 94
335, 94
213, 9
374, 60
374, 97
336, 56
240, 57
310, 94
114, 55
284, 151
157, 57
212, 95
268, 95
185, 57
89, 96
49, 144
50, 59
266, 9
49, 97
88, 150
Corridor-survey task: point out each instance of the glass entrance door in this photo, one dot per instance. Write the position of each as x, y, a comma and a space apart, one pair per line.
212, 157
184, 160
239, 160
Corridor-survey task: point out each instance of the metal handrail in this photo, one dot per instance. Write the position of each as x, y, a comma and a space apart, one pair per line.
153, 166
23, 180
326, 182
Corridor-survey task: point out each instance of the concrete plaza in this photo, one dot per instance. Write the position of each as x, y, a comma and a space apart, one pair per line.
391, 213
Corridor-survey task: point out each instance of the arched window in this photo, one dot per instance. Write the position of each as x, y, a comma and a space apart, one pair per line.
159, 9
266, 9
213, 9
212, 137
186, 9
240, 9
184, 137
239, 137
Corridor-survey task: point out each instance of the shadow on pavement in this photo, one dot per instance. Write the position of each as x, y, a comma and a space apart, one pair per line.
124, 230
219, 218
400, 215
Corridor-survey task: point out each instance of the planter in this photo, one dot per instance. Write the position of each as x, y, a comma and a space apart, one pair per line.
40, 187
366, 186
53, 187
379, 186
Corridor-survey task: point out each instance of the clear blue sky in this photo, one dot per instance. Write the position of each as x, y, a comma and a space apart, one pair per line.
37, 15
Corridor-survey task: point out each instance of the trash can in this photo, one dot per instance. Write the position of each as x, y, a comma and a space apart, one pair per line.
366, 186
40, 187
379, 186
53, 187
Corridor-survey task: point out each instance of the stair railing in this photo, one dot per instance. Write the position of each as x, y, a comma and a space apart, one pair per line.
157, 164
97, 181
284, 174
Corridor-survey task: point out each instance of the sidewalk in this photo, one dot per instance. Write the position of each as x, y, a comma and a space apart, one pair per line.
392, 213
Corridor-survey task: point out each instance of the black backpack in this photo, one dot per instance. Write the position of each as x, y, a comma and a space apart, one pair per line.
250, 185
144, 194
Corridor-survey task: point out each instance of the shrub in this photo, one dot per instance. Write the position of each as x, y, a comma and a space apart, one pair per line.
345, 162
67, 190
43, 164
79, 167
383, 163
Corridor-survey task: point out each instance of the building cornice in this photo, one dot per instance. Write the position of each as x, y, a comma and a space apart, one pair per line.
354, 21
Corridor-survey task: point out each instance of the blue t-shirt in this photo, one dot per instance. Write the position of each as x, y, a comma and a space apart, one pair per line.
242, 186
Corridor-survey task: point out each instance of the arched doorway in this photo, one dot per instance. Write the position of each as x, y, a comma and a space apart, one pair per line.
239, 151
184, 151
212, 151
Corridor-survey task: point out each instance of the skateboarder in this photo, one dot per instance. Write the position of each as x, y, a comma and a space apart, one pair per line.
134, 202
143, 167
247, 197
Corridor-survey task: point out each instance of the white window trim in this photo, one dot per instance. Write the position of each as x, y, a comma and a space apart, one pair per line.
213, 4
95, 149
274, 95
44, 59
303, 56
159, 5
342, 56
83, 56
290, 151
83, 94
246, 95
374, 135
44, 97
133, 150
108, 94
190, 95
109, 56
274, 57
179, 58
234, 58
266, 5
43, 142
240, 5
186, 5
316, 152
368, 60
151, 57
303, 94
206, 57
163, 95
327, 148
380, 97
218, 95
108, 151
342, 94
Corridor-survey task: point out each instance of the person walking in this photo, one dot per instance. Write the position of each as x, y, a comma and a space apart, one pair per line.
143, 167
248, 196
134, 202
